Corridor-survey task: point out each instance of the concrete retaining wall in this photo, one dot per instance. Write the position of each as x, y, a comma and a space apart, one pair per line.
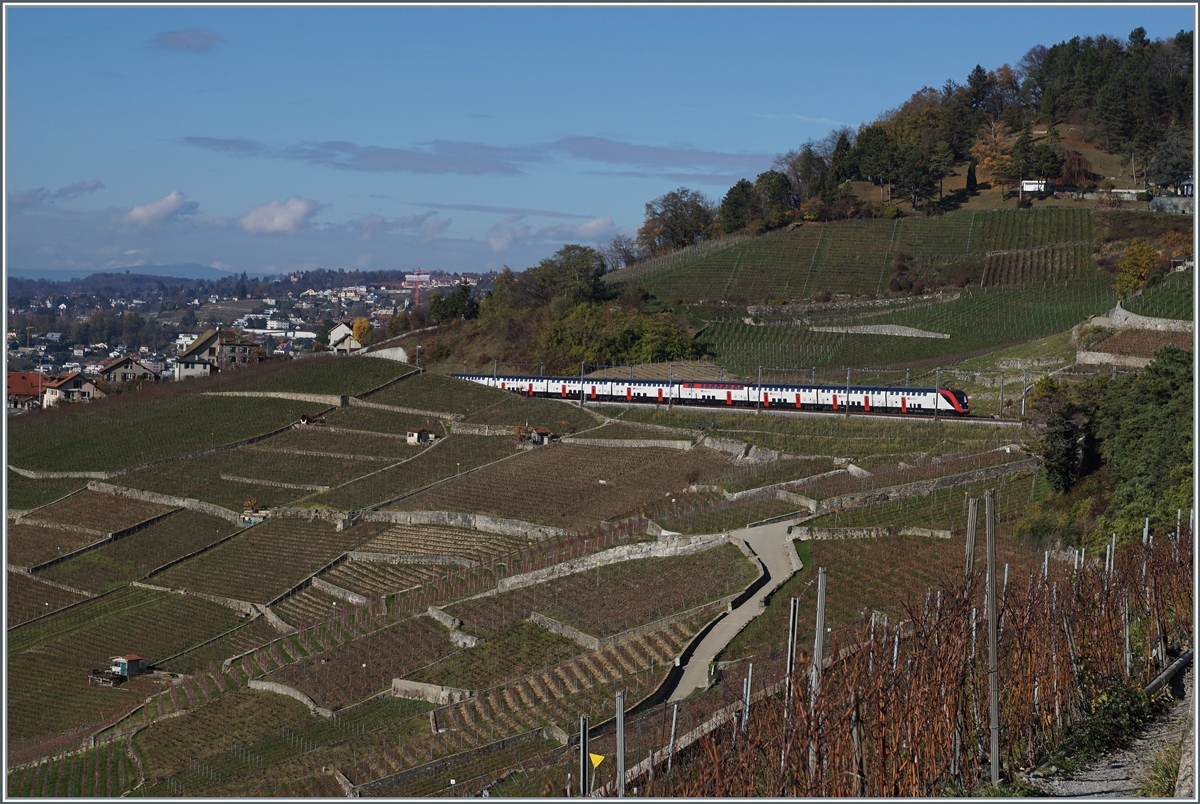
291, 692
670, 546
396, 353
99, 534
454, 519
433, 693
165, 499
586, 641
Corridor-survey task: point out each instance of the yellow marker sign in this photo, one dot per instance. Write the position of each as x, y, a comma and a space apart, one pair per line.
596, 759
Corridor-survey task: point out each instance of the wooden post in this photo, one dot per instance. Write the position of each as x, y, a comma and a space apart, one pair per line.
993, 648
671, 745
972, 515
585, 761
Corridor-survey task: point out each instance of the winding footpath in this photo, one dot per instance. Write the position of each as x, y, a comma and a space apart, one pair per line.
772, 546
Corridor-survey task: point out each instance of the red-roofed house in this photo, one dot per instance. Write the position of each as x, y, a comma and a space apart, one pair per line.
72, 387
25, 389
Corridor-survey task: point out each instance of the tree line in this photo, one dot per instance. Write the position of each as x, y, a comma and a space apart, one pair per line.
1131, 98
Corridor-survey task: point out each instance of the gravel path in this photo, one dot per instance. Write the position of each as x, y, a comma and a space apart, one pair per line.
1119, 774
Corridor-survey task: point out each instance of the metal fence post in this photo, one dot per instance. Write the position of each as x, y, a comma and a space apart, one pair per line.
620, 707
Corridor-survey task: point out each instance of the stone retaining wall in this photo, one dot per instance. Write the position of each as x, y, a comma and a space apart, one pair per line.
291, 692
805, 534
339, 592
355, 402
482, 429
454, 519
274, 483
631, 443
165, 499
332, 400
396, 353
671, 546
393, 558
433, 693
585, 641
274, 619
1108, 359
921, 488
442, 617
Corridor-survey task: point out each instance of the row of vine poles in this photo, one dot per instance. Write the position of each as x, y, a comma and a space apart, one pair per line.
905, 713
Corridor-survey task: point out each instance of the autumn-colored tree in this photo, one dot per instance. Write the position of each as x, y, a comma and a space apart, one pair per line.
1176, 243
361, 330
1076, 170
990, 143
1135, 266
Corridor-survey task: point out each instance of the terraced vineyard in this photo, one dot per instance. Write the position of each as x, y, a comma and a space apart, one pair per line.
338, 441
554, 484
976, 322
266, 560
408, 540
718, 515
105, 436
102, 772
447, 458
52, 657
26, 493
373, 579
615, 597
29, 598
30, 545
135, 556
336, 677
244, 637
323, 374
96, 511
1141, 342
200, 478
384, 422
854, 256
1172, 298
434, 392
309, 606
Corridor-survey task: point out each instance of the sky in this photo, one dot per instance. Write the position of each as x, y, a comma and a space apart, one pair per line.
273, 139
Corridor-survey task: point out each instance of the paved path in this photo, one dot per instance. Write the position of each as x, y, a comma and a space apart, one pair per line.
770, 543
1119, 774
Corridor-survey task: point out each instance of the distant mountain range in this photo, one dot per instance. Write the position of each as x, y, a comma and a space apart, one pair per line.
187, 270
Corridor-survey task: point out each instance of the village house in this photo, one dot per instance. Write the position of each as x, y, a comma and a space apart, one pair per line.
70, 387
127, 369
25, 389
215, 350
342, 340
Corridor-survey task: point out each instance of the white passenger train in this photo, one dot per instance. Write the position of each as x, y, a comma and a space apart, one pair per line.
798, 396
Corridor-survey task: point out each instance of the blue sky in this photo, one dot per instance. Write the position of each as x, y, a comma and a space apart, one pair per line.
271, 139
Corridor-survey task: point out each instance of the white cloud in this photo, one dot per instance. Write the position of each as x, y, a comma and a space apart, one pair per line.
592, 231
274, 217
160, 210
504, 234
362, 262
220, 266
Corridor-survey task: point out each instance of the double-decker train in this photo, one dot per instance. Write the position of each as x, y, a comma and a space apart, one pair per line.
793, 396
